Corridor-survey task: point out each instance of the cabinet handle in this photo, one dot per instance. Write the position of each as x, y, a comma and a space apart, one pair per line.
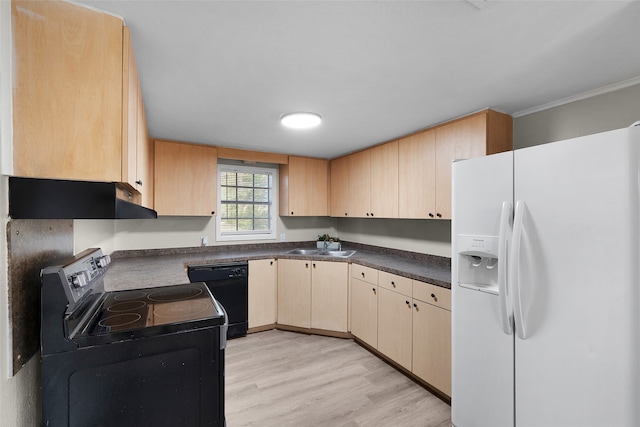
362, 274
306, 265
415, 305
393, 283
435, 298
314, 265
271, 263
291, 212
139, 182
345, 214
374, 290
408, 304
371, 213
430, 215
439, 215
367, 213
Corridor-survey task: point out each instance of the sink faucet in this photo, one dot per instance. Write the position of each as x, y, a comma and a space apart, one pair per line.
326, 244
340, 246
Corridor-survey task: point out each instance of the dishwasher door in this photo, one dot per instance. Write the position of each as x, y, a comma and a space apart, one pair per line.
229, 285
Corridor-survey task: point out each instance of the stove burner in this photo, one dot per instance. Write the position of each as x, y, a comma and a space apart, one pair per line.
175, 294
129, 295
123, 307
180, 310
119, 320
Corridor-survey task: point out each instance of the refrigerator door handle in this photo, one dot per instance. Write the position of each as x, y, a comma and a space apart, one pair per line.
514, 271
505, 231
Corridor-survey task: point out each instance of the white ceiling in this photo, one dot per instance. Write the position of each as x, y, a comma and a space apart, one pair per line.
223, 72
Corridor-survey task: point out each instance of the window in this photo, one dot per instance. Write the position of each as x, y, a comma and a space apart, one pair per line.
246, 208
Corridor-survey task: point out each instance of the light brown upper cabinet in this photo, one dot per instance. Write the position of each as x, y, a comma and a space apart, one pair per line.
137, 167
426, 157
417, 175
304, 187
384, 180
359, 184
480, 134
373, 182
72, 66
339, 177
185, 179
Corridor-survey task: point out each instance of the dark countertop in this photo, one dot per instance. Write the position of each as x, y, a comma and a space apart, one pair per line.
162, 267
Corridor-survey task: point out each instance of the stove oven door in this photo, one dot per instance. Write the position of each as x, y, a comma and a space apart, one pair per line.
174, 379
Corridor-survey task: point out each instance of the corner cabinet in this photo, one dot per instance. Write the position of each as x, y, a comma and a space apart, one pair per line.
185, 179
304, 187
68, 116
313, 294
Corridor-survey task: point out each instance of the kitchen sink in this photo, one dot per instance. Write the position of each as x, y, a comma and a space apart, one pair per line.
339, 254
322, 253
304, 252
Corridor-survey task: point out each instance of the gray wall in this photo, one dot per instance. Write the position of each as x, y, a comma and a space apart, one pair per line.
609, 111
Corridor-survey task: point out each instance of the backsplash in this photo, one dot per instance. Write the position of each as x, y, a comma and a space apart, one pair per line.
32, 245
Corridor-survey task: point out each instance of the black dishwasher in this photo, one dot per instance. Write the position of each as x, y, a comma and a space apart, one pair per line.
229, 284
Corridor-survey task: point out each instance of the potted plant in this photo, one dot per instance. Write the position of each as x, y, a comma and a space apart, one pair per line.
326, 241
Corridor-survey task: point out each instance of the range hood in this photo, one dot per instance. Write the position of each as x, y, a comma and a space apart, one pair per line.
34, 198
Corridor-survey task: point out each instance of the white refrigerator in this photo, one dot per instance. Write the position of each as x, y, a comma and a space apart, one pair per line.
546, 285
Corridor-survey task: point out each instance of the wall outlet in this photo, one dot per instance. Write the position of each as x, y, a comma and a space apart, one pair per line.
283, 237
204, 241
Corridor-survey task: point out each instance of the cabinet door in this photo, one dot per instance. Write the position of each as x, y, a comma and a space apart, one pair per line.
263, 292
463, 139
130, 117
294, 292
432, 345
395, 331
144, 155
360, 184
364, 311
329, 295
384, 181
339, 177
67, 94
185, 179
304, 187
417, 176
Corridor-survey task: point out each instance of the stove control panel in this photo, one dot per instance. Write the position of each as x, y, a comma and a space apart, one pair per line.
81, 274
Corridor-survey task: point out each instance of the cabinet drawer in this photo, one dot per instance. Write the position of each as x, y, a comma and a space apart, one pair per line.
367, 274
395, 283
435, 295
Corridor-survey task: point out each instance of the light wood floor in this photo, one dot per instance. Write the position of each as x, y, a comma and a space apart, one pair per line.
278, 378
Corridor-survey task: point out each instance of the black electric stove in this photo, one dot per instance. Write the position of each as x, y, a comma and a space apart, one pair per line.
150, 356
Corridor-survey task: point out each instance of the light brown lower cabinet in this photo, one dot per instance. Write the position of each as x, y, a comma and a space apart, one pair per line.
329, 295
313, 294
294, 292
432, 345
407, 321
395, 326
432, 335
364, 311
263, 292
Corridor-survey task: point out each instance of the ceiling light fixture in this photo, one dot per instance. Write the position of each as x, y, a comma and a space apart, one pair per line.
300, 120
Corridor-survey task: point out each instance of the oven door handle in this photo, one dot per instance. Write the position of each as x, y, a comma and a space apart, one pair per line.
224, 327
